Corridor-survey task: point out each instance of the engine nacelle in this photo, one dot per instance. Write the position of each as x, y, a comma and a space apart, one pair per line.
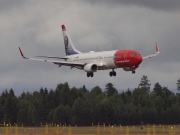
127, 69
90, 68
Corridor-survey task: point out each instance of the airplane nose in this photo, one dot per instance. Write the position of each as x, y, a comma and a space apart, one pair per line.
139, 60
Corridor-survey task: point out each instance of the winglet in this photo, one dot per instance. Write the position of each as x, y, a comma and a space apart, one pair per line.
63, 27
157, 48
152, 55
22, 53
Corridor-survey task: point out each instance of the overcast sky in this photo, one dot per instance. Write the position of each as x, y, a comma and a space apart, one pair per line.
94, 25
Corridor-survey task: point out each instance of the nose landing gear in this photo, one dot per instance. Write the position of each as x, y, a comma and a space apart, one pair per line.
133, 71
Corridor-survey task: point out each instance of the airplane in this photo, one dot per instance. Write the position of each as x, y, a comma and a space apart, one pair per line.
92, 61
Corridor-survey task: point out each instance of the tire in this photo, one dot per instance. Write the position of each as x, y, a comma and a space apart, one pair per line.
114, 73
110, 74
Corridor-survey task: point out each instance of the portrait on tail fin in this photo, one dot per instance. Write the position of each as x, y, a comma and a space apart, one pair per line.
66, 45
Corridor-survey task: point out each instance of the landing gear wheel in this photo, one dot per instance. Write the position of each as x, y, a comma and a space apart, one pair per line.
133, 71
90, 74
112, 73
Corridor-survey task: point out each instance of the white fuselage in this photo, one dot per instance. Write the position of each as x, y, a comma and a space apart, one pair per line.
105, 58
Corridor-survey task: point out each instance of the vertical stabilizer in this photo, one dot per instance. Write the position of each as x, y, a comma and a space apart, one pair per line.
69, 47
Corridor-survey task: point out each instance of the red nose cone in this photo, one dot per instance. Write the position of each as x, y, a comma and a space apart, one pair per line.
139, 60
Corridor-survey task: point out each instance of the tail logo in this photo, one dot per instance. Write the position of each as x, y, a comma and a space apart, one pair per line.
66, 44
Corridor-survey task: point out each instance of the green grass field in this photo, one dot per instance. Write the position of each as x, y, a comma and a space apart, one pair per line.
93, 130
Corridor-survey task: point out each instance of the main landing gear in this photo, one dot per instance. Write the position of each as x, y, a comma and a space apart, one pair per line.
112, 73
91, 74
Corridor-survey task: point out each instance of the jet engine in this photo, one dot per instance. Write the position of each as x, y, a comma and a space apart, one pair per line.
90, 68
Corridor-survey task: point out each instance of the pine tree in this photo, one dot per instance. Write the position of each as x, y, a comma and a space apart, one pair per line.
110, 90
178, 84
145, 83
158, 89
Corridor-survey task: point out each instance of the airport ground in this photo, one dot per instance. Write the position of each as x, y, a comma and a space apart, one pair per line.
92, 130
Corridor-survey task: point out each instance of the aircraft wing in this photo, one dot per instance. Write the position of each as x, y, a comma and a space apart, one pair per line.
56, 61
54, 57
152, 55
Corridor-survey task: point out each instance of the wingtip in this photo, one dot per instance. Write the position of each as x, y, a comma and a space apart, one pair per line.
157, 47
21, 52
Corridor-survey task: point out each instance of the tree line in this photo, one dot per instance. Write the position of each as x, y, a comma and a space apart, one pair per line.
80, 106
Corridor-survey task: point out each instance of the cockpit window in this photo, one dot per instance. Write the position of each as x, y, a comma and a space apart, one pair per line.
137, 54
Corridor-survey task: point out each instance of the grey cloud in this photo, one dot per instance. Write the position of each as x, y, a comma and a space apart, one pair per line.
165, 5
98, 26
155, 4
9, 5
